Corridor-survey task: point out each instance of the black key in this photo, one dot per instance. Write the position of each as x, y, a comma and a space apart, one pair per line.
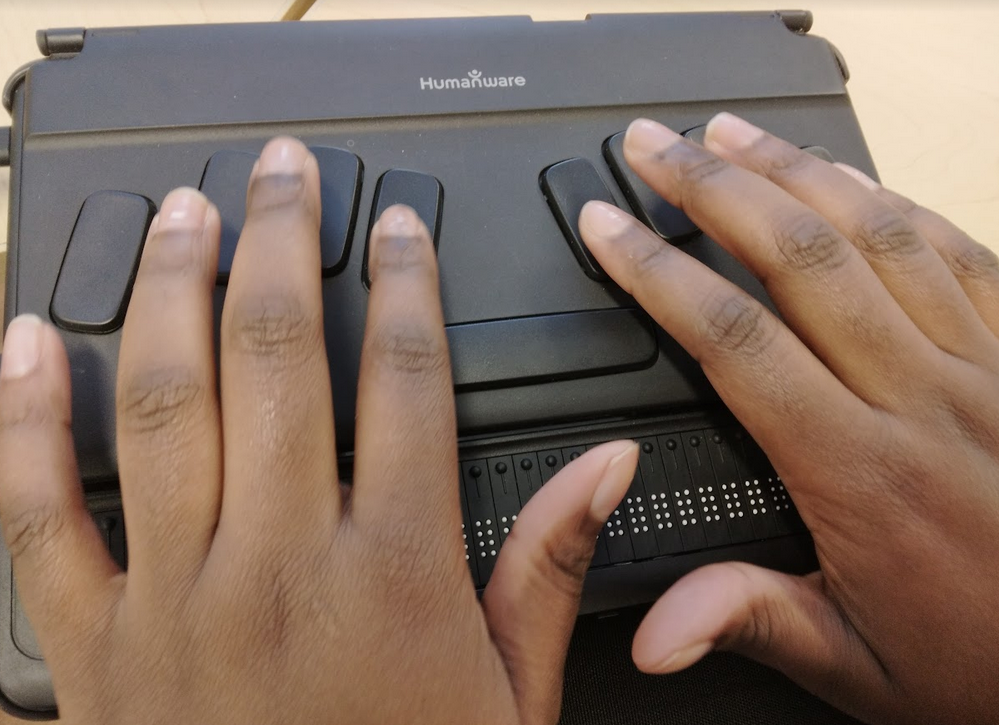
687, 515
550, 463
754, 468
651, 209
704, 491
482, 517
601, 557
466, 534
529, 476
506, 496
422, 192
735, 504
820, 152
696, 134
340, 191
660, 505
567, 186
225, 182
95, 281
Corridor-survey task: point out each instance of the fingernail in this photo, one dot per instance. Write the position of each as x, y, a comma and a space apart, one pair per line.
648, 137
858, 175
283, 156
182, 209
397, 229
22, 347
732, 132
615, 482
603, 219
684, 658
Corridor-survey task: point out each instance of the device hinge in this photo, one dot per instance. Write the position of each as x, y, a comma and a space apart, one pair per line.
797, 21
60, 41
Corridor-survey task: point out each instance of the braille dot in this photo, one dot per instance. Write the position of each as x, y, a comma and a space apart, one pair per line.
693, 521
671, 444
660, 526
647, 447
653, 497
666, 515
636, 530
620, 532
688, 502
695, 441
478, 523
488, 521
514, 517
506, 530
641, 509
500, 467
684, 522
492, 542
492, 553
668, 526
645, 528
740, 514
716, 438
643, 518
686, 492
611, 534
526, 464
551, 461
474, 471
763, 510
633, 520
482, 544
503, 520
574, 455
658, 517
755, 511
483, 555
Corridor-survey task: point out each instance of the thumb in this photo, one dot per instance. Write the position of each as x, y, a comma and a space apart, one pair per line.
786, 622
532, 598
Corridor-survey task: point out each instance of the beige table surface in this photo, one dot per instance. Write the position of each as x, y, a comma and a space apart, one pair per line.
925, 73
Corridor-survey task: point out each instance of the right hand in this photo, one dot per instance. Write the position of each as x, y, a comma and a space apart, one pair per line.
877, 400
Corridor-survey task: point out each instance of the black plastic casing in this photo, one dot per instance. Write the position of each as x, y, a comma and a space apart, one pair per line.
141, 110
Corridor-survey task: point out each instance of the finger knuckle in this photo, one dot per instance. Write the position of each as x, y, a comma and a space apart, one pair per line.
734, 323
782, 162
34, 528
886, 233
968, 259
407, 348
160, 398
174, 252
277, 327
648, 262
807, 243
30, 413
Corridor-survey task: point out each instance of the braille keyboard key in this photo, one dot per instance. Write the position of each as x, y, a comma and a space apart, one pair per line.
735, 508
682, 495
340, 192
95, 280
421, 192
482, 516
704, 491
528, 474
638, 517
466, 535
651, 209
550, 463
506, 496
753, 469
225, 182
819, 152
567, 186
662, 512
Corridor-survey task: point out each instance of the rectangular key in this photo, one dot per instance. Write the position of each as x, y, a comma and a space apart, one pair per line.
753, 470
660, 504
225, 182
567, 186
95, 280
704, 491
639, 519
735, 509
466, 534
687, 515
340, 191
506, 496
482, 516
529, 476
421, 192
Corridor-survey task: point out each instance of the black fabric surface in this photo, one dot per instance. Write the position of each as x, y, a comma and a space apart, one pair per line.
603, 687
